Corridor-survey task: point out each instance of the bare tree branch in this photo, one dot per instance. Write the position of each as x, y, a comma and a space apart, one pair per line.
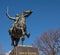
48, 42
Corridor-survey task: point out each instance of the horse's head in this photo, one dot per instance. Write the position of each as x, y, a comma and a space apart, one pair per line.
26, 13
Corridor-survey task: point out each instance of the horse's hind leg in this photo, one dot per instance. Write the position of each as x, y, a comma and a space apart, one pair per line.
17, 41
12, 41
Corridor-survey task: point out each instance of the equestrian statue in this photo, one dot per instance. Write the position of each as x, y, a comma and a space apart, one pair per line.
18, 28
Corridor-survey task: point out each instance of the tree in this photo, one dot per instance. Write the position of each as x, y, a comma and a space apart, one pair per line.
48, 43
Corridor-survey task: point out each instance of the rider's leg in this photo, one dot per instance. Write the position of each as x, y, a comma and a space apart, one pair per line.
11, 28
23, 33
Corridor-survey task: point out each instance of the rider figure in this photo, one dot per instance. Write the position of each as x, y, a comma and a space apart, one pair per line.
22, 22
12, 18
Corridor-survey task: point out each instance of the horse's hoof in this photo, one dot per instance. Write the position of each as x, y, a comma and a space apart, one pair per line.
15, 45
28, 35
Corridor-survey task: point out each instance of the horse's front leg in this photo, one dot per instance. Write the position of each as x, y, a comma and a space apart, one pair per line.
17, 41
27, 34
22, 39
24, 32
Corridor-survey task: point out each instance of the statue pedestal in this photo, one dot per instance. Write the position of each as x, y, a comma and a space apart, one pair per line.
24, 50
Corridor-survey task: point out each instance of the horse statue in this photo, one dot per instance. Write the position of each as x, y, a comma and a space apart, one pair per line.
18, 29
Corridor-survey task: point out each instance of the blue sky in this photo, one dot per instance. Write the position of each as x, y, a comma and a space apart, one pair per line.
45, 16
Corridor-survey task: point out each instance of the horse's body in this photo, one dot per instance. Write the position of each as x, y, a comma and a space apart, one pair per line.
19, 29
17, 33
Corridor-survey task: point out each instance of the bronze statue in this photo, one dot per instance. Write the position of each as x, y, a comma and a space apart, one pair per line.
18, 29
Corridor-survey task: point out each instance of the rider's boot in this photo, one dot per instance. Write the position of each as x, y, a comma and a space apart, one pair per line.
27, 34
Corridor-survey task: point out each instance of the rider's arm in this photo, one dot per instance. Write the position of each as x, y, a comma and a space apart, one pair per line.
12, 18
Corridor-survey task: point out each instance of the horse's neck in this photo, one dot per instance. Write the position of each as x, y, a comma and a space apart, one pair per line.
23, 19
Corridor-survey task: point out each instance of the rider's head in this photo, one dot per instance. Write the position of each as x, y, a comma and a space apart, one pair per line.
17, 15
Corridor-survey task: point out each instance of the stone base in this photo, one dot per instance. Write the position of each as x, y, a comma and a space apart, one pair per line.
24, 50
